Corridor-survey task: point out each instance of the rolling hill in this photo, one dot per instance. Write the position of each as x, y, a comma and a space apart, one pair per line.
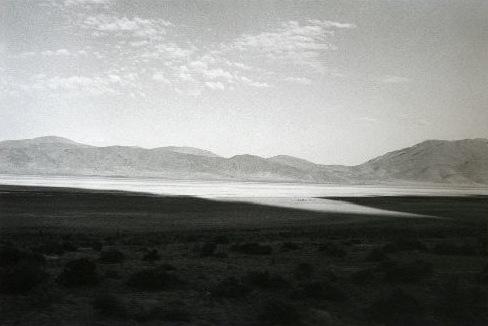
460, 161
463, 162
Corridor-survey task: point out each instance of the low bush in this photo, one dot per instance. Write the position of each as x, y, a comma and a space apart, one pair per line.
455, 249
109, 305
290, 246
22, 276
97, 245
154, 279
177, 314
231, 287
152, 255
69, 246
397, 308
113, 274
483, 276
10, 256
406, 272
265, 280
221, 239
252, 248
364, 276
462, 304
112, 256
52, 248
319, 291
333, 250
280, 313
303, 271
79, 272
208, 249
330, 276
404, 244
376, 255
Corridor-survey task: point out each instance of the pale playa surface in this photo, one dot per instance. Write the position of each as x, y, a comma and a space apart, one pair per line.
301, 196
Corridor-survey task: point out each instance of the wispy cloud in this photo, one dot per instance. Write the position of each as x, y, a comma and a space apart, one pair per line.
51, 53
254, 83
299, 80
59, 52
167, 50
160, 77
215, 85
158, 52
86, 2
369, 120
391, 79
291, 42
83, 85
103, 25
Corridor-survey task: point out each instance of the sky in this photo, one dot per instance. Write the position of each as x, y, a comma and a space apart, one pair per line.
334, 82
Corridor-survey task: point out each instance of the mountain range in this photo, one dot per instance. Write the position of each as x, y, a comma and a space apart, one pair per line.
439, 161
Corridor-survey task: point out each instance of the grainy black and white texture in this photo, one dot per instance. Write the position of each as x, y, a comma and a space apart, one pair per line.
224, 162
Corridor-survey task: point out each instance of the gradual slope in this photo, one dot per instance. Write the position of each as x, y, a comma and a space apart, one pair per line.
461, 161
191, 151
295, 162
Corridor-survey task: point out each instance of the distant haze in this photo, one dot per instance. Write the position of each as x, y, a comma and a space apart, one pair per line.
332, 82
436, 161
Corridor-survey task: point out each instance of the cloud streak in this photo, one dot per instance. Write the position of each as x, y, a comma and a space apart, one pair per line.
291, 42
156, 53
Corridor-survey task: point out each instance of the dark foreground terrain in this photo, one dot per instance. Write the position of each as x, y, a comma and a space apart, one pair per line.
78, 257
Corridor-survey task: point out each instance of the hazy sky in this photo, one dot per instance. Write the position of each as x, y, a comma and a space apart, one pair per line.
329, 81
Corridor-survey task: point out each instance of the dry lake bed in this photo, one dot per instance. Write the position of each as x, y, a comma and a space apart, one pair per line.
122, 251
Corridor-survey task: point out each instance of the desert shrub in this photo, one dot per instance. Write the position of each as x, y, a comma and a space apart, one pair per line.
22, 276
330, 276
289, 246
96, 245
151, 255
208, 249
231, 287
9, 256
252, 248
113, 274
154, 279
303, 271
407, 272
112, 256
404, 244
320, 291
52, 248
167, 267
109, 305
462, 303
376, 255
452, 248
265, 280
69, 246
333, 250
483, 276
364, 276
280, 313
177, 315
397, 308
221, 239
79, 272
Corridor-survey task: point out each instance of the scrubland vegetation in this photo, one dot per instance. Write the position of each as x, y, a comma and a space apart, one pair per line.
381, 272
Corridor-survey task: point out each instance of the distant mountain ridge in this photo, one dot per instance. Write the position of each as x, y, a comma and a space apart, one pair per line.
461, 161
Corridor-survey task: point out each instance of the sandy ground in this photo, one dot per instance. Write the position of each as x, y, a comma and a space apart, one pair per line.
323, 205
286, 195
